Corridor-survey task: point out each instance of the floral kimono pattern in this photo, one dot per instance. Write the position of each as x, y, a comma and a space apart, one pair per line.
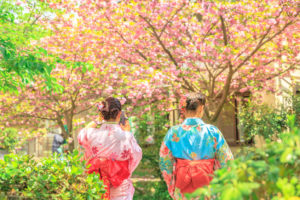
192, 140
111, 143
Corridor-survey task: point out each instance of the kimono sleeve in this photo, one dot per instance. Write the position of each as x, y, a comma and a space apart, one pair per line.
83, 137
136, 152
166, 164
223, 152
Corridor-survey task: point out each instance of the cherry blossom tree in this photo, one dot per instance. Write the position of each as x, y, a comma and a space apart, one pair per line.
83, 76
153, 51
80, 85
220, 48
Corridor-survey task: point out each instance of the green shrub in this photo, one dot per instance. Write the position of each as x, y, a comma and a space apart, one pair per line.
296, 108
8, 138
151, 125
150, 190
261, 120
272, 172
50, 178
157, 129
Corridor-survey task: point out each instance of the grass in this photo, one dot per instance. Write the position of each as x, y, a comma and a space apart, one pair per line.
150, 190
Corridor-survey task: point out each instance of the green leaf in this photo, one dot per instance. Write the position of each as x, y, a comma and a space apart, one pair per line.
287, 155
231, 193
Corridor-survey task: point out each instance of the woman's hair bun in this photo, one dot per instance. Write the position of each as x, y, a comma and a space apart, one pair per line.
110, 108
193, 100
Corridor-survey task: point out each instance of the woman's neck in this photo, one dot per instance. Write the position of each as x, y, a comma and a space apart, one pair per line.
112, 120
192, 115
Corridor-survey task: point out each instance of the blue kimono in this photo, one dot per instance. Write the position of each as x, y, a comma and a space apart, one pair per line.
191, 140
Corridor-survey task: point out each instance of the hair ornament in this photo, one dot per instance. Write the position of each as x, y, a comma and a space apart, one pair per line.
100, 106
103, 106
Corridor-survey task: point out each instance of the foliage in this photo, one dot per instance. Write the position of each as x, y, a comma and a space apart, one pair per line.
151, 190
153, 126
272, 172
82, 78
12, 139
50, 178
20, 57
261, 120
217, 47
296, 108
8, 138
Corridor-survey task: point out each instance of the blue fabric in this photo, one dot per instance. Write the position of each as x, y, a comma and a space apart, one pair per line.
195, 140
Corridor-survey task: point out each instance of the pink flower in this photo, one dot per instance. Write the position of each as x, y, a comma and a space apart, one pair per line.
186, 127
149, 123
150, 139
123, 100
243, 90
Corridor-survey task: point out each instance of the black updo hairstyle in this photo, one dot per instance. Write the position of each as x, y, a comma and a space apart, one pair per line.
193, 100
111, 108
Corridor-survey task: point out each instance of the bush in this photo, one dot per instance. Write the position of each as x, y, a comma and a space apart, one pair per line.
296, 108
157, 129
272, 172
149, 166
50, 178
261, 120
148, 125
151, 190
8, 139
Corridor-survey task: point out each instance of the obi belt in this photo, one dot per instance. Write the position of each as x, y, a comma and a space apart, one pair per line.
193, 174
115, 172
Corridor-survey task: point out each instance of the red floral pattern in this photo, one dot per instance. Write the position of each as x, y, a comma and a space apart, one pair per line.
95, 150
198, 128
186, 127
164, 150
175, 138
126, 154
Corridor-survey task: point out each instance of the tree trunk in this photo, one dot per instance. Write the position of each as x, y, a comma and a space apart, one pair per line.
72, 144
66, 134
69, 123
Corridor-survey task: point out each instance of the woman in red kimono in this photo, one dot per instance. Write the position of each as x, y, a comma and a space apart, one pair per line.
111, 151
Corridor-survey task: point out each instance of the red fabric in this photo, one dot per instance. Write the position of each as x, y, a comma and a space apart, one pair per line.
193, 174
111, 172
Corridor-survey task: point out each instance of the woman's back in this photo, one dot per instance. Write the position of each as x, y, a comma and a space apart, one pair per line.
192, 150
195, 140
110, 141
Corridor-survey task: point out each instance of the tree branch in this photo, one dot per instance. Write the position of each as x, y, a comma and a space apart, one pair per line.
224, 30
166, 50
159, 40
123, 38
225, 93
169, 20
262, 42
207, 33
83, 110
129, 61
35, 116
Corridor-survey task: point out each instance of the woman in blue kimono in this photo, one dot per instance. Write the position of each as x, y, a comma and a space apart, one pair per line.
192, 150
